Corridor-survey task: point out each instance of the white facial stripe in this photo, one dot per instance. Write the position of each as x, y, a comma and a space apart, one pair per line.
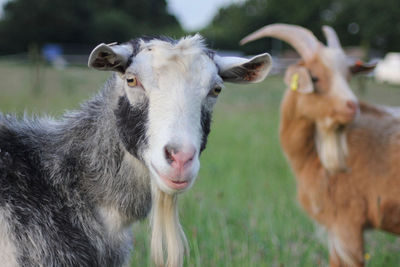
335, 60
176, 79
342, 89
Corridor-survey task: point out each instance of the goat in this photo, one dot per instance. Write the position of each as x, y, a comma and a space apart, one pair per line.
344, 153
71, 188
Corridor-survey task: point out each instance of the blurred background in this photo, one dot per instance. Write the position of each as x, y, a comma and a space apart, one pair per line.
73, 27
242, 210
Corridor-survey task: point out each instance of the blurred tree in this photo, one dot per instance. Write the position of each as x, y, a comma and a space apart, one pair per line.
234, 22
373, 24
370, 23
81, 22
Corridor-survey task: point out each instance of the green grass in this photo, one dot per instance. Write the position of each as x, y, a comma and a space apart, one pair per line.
242, 211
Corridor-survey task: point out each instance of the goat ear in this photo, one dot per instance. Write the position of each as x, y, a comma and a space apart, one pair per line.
241, 70
298, 79
360, 67
110, 57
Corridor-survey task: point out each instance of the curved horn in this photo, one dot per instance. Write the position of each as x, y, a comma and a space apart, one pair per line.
300, 38
331, 37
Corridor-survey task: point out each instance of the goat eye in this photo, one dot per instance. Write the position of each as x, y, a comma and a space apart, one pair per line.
132, 82
314, 79
215, 91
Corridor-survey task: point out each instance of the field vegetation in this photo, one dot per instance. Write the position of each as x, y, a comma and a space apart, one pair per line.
242, 211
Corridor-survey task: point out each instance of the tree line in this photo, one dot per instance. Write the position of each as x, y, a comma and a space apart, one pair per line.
370, 23
27, 22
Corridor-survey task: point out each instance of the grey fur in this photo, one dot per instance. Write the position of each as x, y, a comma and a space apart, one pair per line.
75, 168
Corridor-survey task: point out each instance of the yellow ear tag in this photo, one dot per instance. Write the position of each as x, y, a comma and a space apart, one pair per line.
294, 84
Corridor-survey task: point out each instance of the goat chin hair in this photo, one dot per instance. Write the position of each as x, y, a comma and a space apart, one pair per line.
167, 234
332, 148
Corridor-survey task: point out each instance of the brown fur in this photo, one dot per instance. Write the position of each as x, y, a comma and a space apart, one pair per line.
345, 155
367, 195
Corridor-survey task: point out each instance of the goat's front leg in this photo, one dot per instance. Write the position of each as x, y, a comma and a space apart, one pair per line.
346, 246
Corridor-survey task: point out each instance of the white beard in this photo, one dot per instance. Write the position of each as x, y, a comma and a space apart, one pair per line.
332, 147
167, 232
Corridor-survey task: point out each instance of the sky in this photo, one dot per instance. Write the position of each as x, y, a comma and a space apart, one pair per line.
196, 14
192, 14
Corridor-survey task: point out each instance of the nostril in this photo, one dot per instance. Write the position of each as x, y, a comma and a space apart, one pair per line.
351, 105
179, 157
188, 160
168, 151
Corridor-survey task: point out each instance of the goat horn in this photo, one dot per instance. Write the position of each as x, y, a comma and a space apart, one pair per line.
300, 38
331, 37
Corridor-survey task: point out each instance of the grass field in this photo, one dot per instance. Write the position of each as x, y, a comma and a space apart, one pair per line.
242, 211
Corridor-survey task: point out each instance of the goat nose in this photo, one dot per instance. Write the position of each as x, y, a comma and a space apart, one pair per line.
181, 157
352, 106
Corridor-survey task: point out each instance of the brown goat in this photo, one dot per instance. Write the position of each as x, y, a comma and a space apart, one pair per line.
345, 154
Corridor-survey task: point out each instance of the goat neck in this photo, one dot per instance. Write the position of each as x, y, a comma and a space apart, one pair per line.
297, 134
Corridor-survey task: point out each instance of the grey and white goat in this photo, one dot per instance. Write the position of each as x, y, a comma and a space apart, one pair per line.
70, 189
